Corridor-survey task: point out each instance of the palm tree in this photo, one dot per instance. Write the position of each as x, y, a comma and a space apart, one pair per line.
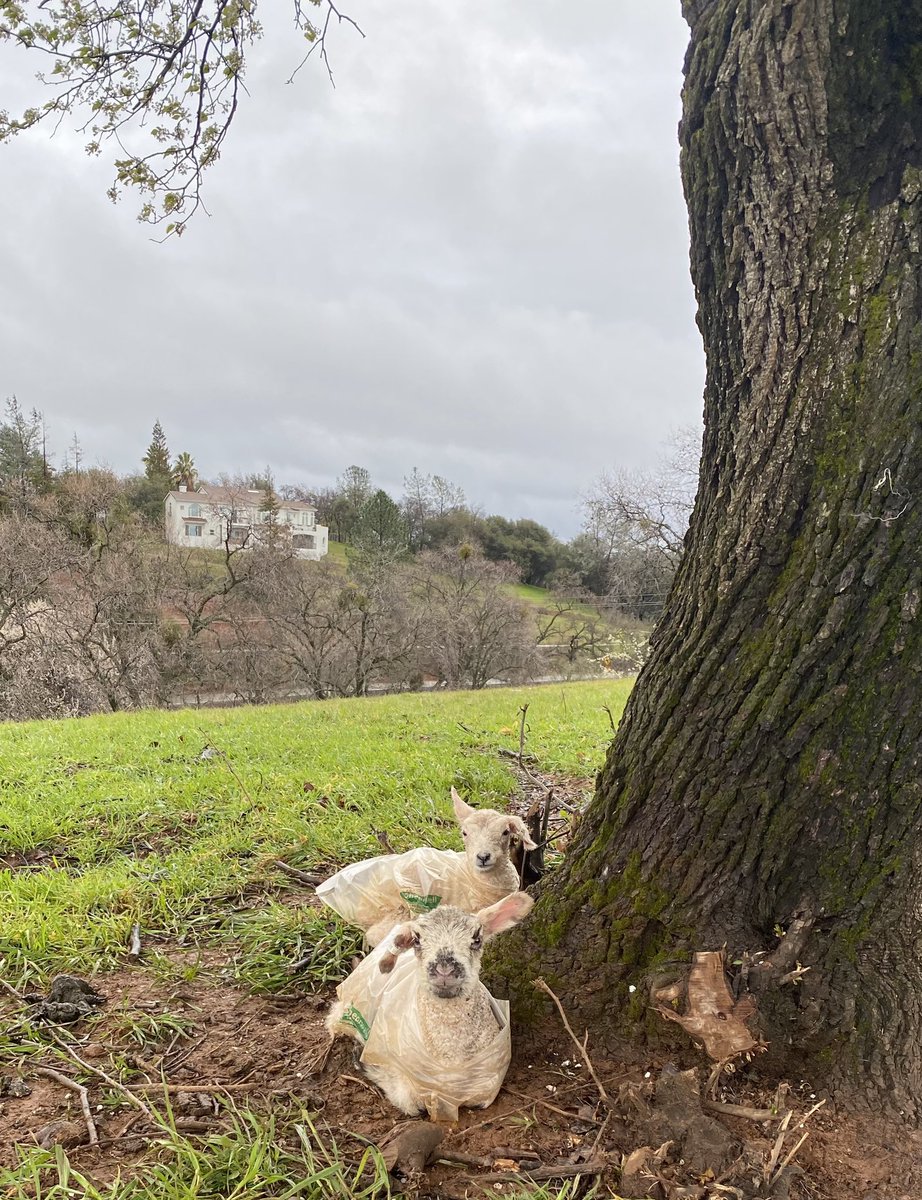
184, 471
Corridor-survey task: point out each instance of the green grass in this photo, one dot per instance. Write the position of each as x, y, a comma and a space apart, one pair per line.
338, 552
135, 826
257, 1158
112, 820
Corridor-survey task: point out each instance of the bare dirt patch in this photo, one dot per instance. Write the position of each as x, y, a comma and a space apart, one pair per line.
263, 1053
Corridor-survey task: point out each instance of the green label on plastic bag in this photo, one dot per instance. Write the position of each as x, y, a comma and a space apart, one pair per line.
421, 903
354, 1019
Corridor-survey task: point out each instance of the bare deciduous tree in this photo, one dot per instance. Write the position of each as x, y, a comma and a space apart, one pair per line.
471, 629
648, 508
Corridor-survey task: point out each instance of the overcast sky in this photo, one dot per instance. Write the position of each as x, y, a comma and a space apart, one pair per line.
470, 257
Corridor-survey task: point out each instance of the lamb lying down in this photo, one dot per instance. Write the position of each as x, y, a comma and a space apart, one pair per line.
434, 1038
379, 892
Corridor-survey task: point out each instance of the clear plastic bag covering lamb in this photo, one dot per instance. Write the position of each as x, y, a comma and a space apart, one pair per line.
381, 1009
418, 880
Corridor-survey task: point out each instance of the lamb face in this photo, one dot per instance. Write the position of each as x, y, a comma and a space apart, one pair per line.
488, 835
448, 944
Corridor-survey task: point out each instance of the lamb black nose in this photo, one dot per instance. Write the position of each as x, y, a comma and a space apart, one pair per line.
483, 859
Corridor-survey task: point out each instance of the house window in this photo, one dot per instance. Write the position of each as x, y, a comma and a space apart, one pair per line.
302, 541
193, 531
195, 510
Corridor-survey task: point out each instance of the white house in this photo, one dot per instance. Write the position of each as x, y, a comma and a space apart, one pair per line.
211, 516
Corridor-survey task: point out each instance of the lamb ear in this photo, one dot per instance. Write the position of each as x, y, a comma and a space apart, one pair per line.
462, 810
403, 938
505, 913
519, 829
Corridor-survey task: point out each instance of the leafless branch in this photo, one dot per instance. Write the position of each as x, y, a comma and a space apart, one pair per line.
81, 1091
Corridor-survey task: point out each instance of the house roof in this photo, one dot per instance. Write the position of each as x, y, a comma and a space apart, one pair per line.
232, 497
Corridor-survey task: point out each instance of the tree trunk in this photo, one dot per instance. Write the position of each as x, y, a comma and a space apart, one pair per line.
767, 769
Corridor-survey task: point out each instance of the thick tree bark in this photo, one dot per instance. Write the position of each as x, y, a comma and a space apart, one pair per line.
767, 769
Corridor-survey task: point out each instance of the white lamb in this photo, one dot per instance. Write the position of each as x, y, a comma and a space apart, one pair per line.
379, 892
434, 1038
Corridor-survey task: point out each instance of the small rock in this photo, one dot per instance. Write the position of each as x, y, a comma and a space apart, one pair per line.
94, 1050
61, 1133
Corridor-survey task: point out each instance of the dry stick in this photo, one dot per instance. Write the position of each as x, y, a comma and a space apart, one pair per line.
779, 1142
11, 992
776, 1149
464, 1160
222, 754
571, 1087
543, 987
523, 710
81, 1091
787, 1158
599, 1135
193, 1085
741, 1110
301, 876
611, 719
546, 815
564, 1171
544, 1103
107, 1079
134, 947
362, 1082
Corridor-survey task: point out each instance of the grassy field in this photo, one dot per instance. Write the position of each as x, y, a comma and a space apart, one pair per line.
172, 820
147, 817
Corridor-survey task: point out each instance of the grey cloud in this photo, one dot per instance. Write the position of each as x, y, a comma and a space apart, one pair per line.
470, 257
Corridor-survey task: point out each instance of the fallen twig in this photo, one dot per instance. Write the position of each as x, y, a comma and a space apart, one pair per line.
11, 992
108, 1080
789, 1156
600, 1134
538, 1174
546, 815
463, 1160
363, 1083
81, 1091
770, 1168
524, 711
719, 1108
134, 946
584, 1053
302, 876
776, 1149
570, 1087
222, 754
563, 1112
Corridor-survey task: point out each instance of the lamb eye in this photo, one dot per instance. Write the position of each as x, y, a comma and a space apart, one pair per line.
477, 941
463, 833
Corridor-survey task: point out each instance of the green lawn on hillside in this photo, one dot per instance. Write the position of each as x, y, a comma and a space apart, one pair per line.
112, 820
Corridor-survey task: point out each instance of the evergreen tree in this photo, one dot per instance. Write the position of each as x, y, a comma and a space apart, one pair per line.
381, 526
157, 459
23, 463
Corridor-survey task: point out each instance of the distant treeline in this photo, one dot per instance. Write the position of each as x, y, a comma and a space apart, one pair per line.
625, 554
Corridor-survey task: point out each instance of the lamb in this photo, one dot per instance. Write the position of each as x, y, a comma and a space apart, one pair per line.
380, 892
434, 1038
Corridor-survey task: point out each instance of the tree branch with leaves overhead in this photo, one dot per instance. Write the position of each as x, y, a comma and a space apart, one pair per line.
159, 79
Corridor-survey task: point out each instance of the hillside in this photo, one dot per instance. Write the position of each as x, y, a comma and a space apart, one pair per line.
205, 1067
117, 819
